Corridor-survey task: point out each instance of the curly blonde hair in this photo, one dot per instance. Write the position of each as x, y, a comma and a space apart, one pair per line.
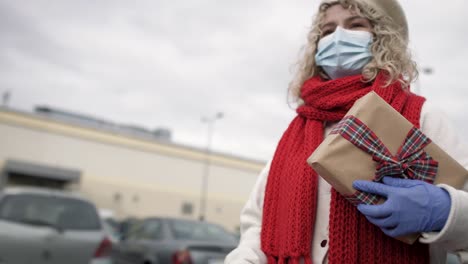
389, 49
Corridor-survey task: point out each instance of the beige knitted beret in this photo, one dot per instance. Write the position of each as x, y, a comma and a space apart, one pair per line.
390, 8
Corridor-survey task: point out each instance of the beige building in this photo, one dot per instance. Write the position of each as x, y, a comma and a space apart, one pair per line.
128, 173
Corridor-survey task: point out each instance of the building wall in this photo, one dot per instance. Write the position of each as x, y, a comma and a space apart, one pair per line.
131, 176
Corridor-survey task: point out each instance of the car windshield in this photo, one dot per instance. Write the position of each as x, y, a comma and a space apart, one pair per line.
191, 230
59, 212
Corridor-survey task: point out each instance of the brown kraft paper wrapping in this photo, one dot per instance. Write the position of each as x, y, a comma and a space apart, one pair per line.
340, 163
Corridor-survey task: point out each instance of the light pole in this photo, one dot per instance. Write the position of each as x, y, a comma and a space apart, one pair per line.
417, 83
6, 98
210, 121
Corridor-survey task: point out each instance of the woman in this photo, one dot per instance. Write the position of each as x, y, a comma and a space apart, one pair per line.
293, 215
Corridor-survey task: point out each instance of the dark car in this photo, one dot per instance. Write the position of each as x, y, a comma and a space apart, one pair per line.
174, 241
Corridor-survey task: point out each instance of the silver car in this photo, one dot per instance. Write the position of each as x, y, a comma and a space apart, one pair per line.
174, 241
50, 227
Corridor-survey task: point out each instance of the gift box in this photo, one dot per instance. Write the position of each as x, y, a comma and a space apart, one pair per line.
374, 140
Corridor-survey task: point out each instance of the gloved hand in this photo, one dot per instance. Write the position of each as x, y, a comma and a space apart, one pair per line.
412, 206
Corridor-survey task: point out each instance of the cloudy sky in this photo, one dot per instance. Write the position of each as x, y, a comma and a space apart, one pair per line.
168, 63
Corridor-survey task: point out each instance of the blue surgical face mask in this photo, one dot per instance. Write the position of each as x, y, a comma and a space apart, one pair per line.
344, 52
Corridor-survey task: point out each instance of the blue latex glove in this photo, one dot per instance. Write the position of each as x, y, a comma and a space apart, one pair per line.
412, 206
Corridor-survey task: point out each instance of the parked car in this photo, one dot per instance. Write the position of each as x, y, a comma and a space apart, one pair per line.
43, 226
111, 231
126, 225
174, 241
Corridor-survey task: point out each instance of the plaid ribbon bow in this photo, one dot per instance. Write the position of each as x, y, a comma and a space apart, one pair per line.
411, 161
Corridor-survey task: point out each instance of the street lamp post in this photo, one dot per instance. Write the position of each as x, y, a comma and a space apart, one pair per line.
210, 121
417, 84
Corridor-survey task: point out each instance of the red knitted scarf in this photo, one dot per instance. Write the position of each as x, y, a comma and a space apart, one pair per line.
290, 202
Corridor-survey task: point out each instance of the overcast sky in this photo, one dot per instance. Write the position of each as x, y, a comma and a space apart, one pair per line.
168, 63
